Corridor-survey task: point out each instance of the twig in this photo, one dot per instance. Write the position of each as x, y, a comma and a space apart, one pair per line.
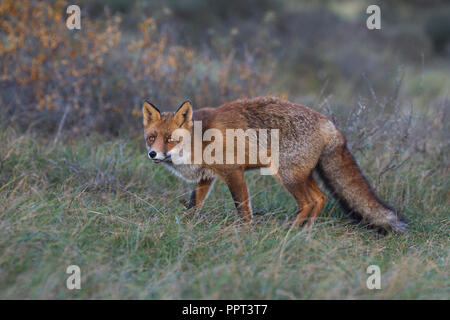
61, 124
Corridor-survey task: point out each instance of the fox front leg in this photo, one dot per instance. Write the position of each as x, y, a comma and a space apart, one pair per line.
238, 188
199, 194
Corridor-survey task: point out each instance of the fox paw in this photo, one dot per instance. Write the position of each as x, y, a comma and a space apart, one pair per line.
259, 212
185, 203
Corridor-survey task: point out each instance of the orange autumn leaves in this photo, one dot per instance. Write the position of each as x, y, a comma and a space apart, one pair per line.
102, 75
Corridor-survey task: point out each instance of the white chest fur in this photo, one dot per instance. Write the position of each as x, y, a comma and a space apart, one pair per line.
190, 172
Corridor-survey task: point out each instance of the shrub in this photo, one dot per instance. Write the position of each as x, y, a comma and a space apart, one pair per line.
94, 78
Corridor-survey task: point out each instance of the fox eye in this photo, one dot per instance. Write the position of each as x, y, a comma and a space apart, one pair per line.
171, 139
151, 138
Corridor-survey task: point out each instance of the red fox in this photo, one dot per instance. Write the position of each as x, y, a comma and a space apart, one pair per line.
308, 141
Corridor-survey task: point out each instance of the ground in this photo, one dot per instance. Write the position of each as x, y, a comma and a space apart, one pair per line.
100, 204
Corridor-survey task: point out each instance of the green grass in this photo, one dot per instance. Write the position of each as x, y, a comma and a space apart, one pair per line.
100, 204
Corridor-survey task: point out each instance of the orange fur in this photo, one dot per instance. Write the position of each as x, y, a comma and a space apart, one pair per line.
308, 141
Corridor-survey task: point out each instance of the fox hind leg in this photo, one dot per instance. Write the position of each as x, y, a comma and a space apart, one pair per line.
298, 187
319, 199
306, 204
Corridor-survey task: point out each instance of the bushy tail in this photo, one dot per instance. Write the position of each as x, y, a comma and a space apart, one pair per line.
341, 174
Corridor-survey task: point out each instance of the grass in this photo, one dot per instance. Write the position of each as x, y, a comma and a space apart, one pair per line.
101, 205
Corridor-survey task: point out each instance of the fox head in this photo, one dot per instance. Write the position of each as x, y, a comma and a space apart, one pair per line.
158, 129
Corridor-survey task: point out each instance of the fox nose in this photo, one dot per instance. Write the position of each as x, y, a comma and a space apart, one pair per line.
152, 154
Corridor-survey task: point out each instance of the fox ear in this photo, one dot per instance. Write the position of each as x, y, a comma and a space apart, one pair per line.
184, 113
150, 112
